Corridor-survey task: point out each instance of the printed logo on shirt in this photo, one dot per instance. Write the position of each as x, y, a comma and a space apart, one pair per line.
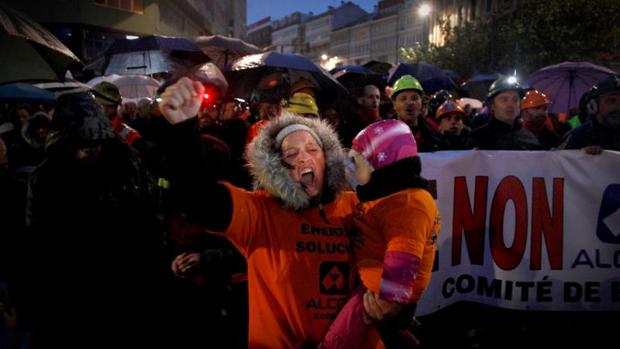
334, 278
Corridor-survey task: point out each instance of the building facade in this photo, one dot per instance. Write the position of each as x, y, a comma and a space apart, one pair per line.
397, 24
259, 33
88, 27
320, 27
288, 33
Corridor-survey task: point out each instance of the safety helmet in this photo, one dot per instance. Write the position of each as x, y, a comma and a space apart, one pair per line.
504, 84
301, 84
448, 107
303, 103
534, 99
588, 104
608, 85
107, 94
405, 83
438, 99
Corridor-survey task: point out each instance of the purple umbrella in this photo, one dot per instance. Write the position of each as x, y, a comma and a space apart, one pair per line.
566, 82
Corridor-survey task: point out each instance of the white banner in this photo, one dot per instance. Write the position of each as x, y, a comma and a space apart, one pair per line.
526, 230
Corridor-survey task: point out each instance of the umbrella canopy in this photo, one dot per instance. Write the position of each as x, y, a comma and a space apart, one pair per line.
29, 51
354, 77
379, 67
224, 50
472, 102
478, 85
432, 78
20, 92
130, 86
248, 70
566, 82
350, 69
207, 73
151, 55
59, 88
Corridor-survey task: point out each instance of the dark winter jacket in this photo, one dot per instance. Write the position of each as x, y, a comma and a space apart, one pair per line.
592, 133
497, 135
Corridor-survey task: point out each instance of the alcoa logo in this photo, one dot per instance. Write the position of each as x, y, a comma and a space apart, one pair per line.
334, 278
608, 226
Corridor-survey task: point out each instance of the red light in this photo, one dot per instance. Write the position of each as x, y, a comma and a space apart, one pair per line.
207, 96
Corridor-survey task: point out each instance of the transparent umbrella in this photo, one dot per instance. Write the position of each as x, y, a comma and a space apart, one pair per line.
131, 86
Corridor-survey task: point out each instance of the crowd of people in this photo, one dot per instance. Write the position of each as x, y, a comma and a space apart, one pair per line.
249, 220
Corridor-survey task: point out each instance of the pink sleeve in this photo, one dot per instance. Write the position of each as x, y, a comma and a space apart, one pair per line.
348, 331
399, 273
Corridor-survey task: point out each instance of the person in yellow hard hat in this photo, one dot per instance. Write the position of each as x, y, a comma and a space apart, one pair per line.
407, 97
305, 86
303, 104
535, 114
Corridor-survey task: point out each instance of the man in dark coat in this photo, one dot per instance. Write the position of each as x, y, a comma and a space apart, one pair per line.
602, 130
94, 236
504, 130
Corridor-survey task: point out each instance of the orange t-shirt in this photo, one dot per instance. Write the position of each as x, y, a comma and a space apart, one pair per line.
406, 221
299, 265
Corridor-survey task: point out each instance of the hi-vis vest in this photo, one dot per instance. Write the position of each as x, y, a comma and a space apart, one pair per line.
126, 133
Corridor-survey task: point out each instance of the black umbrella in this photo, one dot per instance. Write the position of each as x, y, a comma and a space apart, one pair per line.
354, 77
379, 67
224, 50
478, 85
29, 51
151, 55
246, 72
432, 78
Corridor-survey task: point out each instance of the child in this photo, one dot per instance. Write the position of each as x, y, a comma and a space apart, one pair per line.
399, 222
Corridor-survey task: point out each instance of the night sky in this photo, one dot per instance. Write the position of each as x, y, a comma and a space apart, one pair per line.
258, 9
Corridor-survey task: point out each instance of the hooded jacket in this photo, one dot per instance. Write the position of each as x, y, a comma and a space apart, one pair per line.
265, 162
298, 249
194, 180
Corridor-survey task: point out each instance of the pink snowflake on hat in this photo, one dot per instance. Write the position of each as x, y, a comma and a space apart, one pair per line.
384, 142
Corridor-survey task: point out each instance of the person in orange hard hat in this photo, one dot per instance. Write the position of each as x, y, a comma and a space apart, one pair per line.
535, 115
449, 118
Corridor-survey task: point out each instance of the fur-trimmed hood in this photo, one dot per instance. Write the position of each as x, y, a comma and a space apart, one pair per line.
265, 162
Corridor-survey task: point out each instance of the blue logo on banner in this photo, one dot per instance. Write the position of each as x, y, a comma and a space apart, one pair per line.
608, 226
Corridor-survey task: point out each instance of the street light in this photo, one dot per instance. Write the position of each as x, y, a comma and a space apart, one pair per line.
424, 11
329, 63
